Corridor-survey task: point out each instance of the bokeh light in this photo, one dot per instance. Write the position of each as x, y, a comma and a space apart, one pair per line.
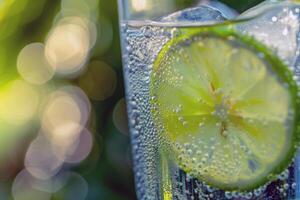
59, 63
51, 185
75, 187
3, 59
120, 117
84, 23
65, 139
3, 193
140, 5
61, 109
82, 150
40, 160
75, 7
64, 186
99, 81
32, 64
63, 119
4, 6
106, 33
18, 102
65, 105
22, 188
86, 9
67, 47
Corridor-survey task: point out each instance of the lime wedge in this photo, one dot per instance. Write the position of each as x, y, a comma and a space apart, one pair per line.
227, 107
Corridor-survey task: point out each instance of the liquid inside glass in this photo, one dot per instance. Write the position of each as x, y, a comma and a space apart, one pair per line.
157, 175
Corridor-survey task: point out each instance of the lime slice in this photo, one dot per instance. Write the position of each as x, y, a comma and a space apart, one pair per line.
227, 107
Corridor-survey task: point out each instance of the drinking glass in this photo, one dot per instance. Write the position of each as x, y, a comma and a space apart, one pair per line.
147, 27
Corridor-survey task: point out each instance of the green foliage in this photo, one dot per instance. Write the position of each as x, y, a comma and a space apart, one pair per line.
184, 3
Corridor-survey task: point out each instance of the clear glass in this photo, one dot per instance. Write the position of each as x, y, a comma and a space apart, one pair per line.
146, 26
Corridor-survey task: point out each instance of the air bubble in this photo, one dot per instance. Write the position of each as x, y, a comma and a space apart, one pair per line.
147, 31
285, 32
274, 19
201, 124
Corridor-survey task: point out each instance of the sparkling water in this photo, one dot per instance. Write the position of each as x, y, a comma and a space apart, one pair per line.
277, 25
158, 177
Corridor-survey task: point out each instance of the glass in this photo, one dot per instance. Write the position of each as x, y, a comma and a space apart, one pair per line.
146, 27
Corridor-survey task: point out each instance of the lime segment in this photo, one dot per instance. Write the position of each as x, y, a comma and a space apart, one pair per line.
227, 107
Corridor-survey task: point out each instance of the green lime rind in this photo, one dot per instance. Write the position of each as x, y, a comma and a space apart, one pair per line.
274, 64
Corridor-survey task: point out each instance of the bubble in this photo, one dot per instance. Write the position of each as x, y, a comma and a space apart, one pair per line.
249, 195
18, 102
147, 31
284, 175
32, 64
201, 124
99, 81
274, 19
276, 26
285, 31
120, 117
228, 195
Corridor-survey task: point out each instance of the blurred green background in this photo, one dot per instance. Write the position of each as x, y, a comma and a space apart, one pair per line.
107, 170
